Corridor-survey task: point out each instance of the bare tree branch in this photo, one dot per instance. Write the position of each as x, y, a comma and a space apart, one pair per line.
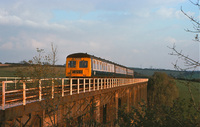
54, 53
189, 62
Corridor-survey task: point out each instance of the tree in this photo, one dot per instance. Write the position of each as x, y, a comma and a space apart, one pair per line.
40, 68
164, 107
190, 63
54, 53
176, 115
162, 89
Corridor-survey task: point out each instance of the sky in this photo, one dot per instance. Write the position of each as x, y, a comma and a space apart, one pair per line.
133, 33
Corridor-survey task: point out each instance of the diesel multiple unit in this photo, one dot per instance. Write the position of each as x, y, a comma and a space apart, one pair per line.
85, 65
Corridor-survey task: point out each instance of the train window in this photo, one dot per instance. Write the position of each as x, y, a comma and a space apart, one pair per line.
100, 66
97, 65
94, 64
83, 64
112, 68
104, 66
130, 72
72, 64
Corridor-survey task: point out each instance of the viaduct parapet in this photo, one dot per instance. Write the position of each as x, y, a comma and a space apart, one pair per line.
68, 101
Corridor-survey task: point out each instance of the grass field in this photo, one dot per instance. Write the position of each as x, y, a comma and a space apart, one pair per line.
7, 71
184, 91
11, 71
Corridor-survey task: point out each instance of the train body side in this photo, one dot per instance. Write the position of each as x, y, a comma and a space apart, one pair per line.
102, 68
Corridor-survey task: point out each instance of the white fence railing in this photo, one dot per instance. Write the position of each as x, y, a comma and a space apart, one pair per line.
8, 79
18, 92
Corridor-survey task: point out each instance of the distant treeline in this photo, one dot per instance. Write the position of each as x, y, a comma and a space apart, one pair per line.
26, 64
193, 80
182, 75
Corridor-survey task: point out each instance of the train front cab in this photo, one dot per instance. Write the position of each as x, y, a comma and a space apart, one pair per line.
78, 67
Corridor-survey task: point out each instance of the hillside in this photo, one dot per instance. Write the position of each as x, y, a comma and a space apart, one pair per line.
173, 73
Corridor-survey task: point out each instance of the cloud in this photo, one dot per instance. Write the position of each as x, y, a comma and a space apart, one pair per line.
171, 40
5, 18
13, 20
182, 43
167, 2
7, 46
169, 13
36, 44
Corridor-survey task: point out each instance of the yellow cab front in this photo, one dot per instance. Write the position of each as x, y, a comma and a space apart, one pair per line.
78, 67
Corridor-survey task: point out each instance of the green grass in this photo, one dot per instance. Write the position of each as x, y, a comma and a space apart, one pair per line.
7, 71
11, 71
184, 93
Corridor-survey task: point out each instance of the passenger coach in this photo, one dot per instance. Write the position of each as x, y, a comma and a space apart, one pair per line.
85, 65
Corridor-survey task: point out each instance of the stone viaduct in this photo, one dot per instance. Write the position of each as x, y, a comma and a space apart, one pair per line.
69, 101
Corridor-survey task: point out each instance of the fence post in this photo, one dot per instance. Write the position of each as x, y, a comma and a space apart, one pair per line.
101, 83
104, 83
40, 90
94, 84
107, 83
98, 84
110, 82
70, 87
84, 85
52, 89
89, 84
63, 87
3, 95
24, 93
78, 86
15, 84
6, 83
115, 83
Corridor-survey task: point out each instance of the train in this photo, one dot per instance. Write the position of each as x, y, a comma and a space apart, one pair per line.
86, 65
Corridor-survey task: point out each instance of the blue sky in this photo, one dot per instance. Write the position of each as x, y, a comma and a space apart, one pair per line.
132, 33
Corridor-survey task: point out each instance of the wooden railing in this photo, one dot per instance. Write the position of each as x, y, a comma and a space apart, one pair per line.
19, 92
8, 79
